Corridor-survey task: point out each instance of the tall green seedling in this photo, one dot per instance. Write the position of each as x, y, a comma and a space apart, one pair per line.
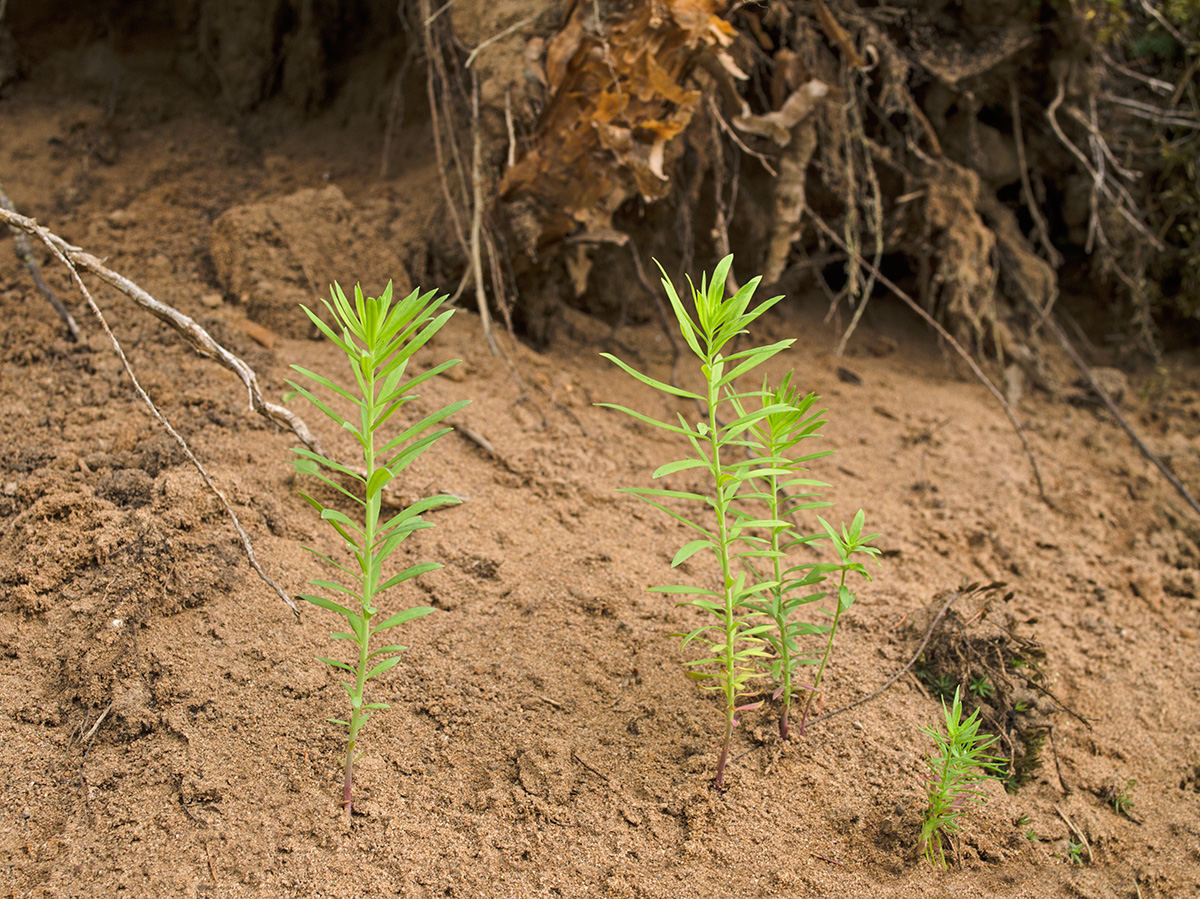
734, 638
378, 339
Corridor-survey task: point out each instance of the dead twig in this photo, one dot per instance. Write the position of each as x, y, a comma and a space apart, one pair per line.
857, 137
435, 83
1158, 463
485, 317
1035, 211
1079, 833
1100, 180
889, 682
200, 340
516, 26
95, 727
899, 674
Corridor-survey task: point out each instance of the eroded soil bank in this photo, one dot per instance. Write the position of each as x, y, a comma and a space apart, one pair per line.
163, 723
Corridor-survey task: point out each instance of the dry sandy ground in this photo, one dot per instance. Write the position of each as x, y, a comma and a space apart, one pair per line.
543, 739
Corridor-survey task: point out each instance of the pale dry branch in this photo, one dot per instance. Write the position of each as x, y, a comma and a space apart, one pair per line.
516, 26
200, 340
1152, 113
435, 81
1156, 84
857, 137
485, 317
1100, 392
1102, 183
766, 163
1035, 211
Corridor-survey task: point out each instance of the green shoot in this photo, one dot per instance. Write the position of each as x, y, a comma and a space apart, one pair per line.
1122, 800
735, 640
775, 439
848, 543
379, 339
981, 687
955, 773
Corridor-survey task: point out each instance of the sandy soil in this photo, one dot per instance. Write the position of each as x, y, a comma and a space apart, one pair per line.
164, 718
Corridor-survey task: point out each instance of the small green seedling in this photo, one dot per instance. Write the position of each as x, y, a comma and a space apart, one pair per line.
1122, 800
981, 687
848, 543
957, 769
378, 339
1074, 853
735, 642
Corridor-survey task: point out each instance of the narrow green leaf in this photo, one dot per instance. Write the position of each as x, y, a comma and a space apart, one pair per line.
328, 463
327, 383
318, 402
341, 518
681, 465
332, 585
752, 359
683, 588
402, 618
325, 604
379, 480
409, 574
674, 429
689, 550
383, 666
395, 647
652, 382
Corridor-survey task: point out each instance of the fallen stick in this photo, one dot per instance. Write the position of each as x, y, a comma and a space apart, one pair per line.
1158, 463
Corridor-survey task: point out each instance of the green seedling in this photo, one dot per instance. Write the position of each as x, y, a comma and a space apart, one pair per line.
1122, 800
960, 764
775, 439
379, 339
1074, 853
981, 687
942, 685
850, 542
735, 641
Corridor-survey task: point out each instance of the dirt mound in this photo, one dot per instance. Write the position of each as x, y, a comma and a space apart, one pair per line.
266, 255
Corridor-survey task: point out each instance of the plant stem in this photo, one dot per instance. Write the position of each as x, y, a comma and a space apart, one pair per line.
721, 505
778, 611
358, 714
837, 613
